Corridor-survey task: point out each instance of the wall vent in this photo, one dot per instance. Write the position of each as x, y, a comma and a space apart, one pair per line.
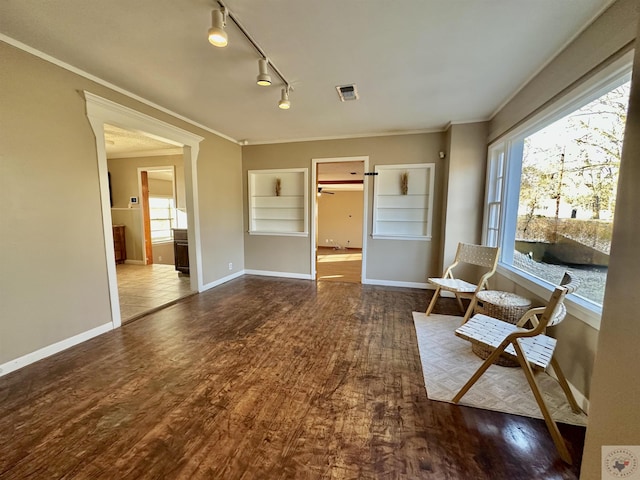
347, 92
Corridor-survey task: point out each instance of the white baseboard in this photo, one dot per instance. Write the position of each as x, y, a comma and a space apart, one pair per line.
45, 352
267, 273
222, 280
134, 262
394, 283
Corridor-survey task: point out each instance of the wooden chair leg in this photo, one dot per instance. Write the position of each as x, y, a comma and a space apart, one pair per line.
470, 309
562, 380
460, 303
434, 299
483, 368
551, 424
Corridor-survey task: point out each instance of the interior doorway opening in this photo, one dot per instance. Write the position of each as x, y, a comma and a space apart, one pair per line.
339, 219
101, 113
147, 198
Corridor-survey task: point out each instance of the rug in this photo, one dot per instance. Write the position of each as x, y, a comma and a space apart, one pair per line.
448, 362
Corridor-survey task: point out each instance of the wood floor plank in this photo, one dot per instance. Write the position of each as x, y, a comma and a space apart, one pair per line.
262, 378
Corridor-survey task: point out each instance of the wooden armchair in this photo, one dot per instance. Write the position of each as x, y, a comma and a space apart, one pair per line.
481, 256
531, 347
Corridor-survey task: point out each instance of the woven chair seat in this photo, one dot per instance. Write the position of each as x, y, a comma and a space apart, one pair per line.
485, 330
530, 346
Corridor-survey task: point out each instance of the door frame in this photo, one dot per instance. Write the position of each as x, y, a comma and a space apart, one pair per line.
314, 210
101, 111
174, 193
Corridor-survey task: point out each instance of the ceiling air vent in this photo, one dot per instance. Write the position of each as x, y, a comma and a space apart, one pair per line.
347, 92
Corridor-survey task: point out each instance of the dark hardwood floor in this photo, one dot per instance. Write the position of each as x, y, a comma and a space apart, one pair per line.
262, 378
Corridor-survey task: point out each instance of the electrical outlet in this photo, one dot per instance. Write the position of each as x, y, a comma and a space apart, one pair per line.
159, 258
230, 266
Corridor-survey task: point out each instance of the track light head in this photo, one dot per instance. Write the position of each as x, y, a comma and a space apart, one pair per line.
264, 79
217, 35
284, 102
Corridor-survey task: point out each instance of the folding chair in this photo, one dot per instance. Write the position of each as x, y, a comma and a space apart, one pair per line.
531, 347
478, 255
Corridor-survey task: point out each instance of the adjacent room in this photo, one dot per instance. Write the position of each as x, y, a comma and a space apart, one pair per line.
319, 239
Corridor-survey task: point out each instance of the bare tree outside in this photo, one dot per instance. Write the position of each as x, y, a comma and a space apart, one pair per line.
567, 194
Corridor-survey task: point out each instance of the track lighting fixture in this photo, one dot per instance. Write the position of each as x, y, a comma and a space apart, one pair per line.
264, 79
284, 102
217, 35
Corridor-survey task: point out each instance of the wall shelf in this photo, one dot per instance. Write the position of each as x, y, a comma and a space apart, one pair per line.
401, 216
285, 213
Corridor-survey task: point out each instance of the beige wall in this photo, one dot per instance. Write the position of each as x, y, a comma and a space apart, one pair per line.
615, 398
467, 160
340, 219
163, 253
49, 191
124, 177
387, 260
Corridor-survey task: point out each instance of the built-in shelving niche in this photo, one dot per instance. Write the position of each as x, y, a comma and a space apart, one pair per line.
278, 210
404, 215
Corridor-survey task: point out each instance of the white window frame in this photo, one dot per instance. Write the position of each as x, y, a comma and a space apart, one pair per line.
503, 184
172, 219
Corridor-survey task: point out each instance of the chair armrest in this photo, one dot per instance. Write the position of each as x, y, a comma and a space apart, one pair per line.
448, 272
483, 280
531, 314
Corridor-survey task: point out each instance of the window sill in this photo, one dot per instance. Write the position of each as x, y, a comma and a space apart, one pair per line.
582, 309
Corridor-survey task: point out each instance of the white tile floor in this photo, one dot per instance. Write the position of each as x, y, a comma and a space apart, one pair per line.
143, 288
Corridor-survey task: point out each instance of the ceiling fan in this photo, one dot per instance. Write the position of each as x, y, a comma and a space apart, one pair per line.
321, 191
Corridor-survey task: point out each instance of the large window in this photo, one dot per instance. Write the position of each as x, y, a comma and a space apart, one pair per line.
551, 191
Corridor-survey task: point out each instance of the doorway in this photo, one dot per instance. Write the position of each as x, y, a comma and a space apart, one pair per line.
147, 204
101, 112
339, 219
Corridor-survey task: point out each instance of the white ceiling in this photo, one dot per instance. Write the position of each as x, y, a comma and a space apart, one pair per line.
418, 64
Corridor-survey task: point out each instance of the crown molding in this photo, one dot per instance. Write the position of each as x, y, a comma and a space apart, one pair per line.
48, 58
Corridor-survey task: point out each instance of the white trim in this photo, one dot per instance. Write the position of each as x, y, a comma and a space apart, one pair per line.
101, 111
314, 209
347, 137
166, 152
401, 237
465, 122
57, 347
134, 262
395, 283
222, 280
267, 273
93, 78
280, 234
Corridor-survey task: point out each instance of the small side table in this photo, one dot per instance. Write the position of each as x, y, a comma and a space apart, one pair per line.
504, 306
